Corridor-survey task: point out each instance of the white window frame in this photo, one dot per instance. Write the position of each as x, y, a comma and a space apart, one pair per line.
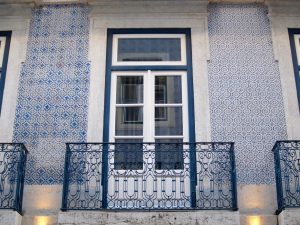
297, 46
149, 105
116, 38
2, 49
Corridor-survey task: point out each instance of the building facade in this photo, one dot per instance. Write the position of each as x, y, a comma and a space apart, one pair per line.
159, 112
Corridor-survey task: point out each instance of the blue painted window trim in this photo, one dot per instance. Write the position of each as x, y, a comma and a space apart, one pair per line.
6, 34
109, 68
292, 33
188, 68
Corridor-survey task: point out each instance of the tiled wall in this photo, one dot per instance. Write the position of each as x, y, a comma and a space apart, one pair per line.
53, 91
245, 93
244, 89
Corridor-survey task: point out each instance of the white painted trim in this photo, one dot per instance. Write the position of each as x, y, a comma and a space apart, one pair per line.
282, 51
297, 45
127, 137
101, 20
17, 55
2, 48
116, 37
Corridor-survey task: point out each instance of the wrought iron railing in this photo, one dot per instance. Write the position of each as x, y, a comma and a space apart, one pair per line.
287, 172
149, 176
12, 172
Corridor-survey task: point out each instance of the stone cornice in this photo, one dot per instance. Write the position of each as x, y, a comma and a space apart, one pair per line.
277, 8
237, 1
40, 2
287, 8
16, 10
148, 6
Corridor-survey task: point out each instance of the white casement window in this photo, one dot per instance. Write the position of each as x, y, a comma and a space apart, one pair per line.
149, 106
149, 49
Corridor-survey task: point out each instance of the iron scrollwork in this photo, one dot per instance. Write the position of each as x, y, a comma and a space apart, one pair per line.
12, 173
287, 172
149, 176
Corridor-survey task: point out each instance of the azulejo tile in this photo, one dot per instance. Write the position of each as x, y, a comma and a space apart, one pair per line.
246, 102
53, 94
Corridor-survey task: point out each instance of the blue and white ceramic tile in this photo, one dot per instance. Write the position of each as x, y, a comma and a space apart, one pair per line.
244, 88
52, 104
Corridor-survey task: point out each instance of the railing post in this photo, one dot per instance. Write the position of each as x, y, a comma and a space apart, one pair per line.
20, 178
104, 179
64, 205
233, 179
24, 159
193, 174
280, 200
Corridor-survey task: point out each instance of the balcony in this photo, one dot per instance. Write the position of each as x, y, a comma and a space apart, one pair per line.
149, 176
287, 169
12, 172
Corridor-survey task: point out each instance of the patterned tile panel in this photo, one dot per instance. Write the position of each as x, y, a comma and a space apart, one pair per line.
52, 104
245, 93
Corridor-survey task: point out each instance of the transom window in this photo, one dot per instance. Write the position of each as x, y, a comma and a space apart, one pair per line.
149, 49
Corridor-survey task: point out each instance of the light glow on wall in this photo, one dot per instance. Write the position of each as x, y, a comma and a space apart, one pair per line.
253, 220
42, 220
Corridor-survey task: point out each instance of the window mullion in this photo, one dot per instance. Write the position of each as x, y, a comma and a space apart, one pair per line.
147, 111
151, 96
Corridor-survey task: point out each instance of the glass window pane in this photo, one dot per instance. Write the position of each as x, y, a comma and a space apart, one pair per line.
168, 89
129, 121
168, 120
149, 49
129, 89
128, 154
168, 154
